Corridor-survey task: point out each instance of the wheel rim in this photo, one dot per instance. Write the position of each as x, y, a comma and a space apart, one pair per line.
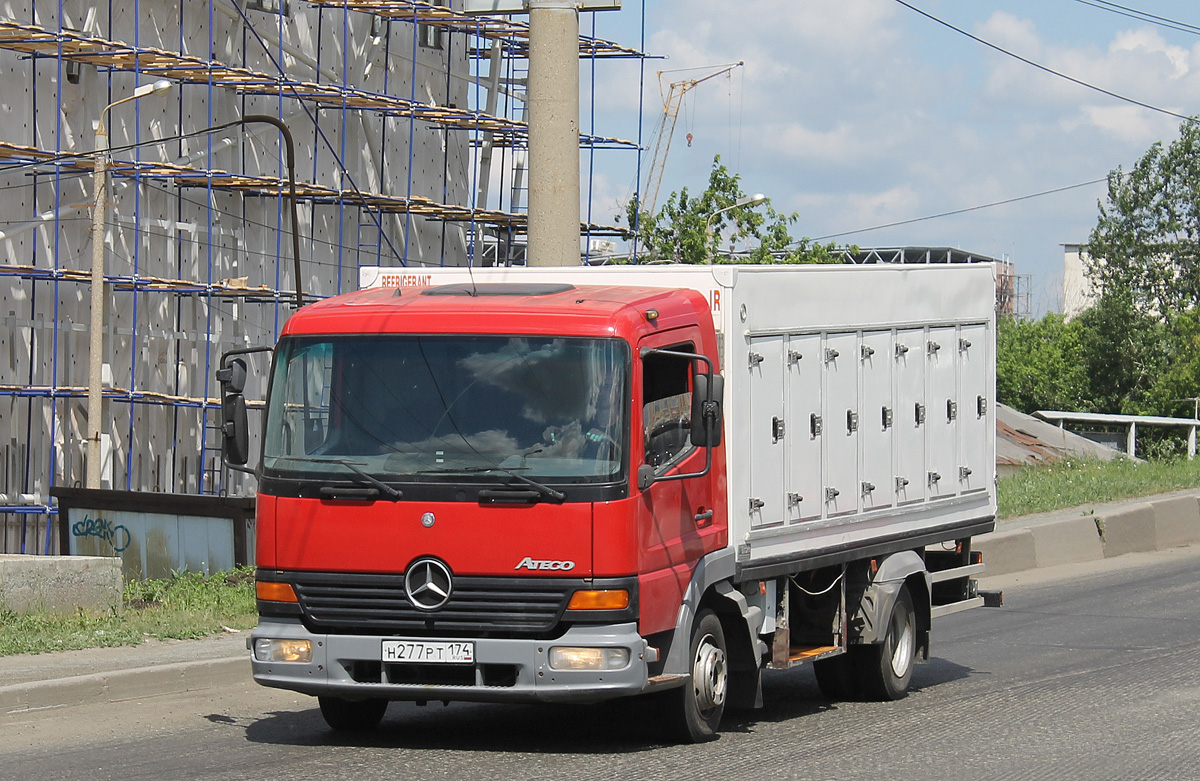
709, 675
903, 642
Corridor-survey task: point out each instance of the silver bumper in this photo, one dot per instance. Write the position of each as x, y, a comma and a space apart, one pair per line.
504, 670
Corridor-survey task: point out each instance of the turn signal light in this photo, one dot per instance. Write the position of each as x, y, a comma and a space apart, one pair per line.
615, 599
270, 591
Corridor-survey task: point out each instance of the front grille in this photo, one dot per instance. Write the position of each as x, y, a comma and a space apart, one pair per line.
338, 603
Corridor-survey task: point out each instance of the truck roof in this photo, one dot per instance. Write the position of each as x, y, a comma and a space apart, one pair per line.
500, 308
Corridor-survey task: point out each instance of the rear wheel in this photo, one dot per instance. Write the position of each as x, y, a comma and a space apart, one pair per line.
352, 715
695, 709
885, 670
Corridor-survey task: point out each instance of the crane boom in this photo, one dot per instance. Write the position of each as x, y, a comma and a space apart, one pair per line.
672, 95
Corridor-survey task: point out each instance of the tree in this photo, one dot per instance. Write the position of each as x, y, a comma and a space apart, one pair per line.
1039, 366
688, 229
1124, 352
1146, 243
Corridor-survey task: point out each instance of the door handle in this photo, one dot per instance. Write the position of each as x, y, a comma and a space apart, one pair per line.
704, 517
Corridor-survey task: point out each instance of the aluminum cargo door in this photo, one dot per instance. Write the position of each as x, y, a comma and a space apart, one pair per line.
804, 428
841, 423
908, 476
976, 424
941, 352
766, 436
876, 420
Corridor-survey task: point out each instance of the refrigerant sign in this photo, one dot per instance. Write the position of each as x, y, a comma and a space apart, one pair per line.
400, 278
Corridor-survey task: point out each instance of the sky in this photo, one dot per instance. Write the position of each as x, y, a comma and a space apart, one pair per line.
862, 113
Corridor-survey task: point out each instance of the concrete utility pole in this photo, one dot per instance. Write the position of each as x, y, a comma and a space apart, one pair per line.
553, 122
553, 133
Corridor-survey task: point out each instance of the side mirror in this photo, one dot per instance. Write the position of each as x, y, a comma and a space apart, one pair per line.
235, 428
708, 391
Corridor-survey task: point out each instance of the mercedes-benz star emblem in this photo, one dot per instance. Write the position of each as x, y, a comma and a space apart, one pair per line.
428, 584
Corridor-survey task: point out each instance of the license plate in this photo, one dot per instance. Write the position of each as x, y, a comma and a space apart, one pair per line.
428, 652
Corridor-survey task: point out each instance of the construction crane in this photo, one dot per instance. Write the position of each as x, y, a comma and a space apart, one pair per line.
672, 95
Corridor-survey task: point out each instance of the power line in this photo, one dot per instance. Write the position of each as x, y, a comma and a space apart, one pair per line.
1041, 67
959, 211
1142, 16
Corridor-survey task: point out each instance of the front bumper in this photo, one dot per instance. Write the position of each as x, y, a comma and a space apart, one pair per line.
504, 670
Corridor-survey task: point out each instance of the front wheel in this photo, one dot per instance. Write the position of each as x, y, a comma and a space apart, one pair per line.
695, 709
885, 670
352, 715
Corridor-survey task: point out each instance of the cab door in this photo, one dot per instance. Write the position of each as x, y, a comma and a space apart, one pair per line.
679, 521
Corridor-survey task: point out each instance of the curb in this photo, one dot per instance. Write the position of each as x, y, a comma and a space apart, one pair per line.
116, 686
1092, 534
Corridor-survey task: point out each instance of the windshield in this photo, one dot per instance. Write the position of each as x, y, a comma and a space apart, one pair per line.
431, 408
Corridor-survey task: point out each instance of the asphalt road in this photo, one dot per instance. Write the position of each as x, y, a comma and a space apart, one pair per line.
1088, 672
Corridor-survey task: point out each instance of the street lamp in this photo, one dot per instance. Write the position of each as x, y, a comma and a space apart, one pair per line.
96, 344
749, 200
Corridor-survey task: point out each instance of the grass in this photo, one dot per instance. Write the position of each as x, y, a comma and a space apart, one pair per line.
1083, 482
185, 606
191, 605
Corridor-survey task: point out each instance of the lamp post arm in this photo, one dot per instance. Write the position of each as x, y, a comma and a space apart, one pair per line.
290, 151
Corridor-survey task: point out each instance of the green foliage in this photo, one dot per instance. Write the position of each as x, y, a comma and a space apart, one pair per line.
1084, 483
1038, 366
689, 229
1146, 243
1124, 353
1113, 358
185, 606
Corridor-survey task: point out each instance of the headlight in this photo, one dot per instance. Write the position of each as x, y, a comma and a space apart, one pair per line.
569, 658
269, 650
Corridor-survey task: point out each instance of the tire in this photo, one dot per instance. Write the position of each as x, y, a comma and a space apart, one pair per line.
836, 677
884, 671
352, 715
694, 710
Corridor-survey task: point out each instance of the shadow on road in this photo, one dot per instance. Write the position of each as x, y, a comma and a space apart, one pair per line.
616, 727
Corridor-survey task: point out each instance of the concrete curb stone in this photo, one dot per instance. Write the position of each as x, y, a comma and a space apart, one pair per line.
1072, 541
1005, 552
1130, 530
1175, 521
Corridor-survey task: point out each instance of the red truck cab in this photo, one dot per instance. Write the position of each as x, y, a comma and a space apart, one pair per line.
486, 493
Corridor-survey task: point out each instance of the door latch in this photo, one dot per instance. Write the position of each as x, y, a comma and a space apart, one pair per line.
776, 429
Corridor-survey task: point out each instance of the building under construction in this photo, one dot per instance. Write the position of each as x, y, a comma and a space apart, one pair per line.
401, 116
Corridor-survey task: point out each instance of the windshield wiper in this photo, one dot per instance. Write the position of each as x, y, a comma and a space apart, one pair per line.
392, 493
544, 490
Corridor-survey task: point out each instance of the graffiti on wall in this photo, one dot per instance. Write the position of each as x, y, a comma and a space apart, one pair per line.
115, 535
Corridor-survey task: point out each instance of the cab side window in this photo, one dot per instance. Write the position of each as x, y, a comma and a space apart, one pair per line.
667, 410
